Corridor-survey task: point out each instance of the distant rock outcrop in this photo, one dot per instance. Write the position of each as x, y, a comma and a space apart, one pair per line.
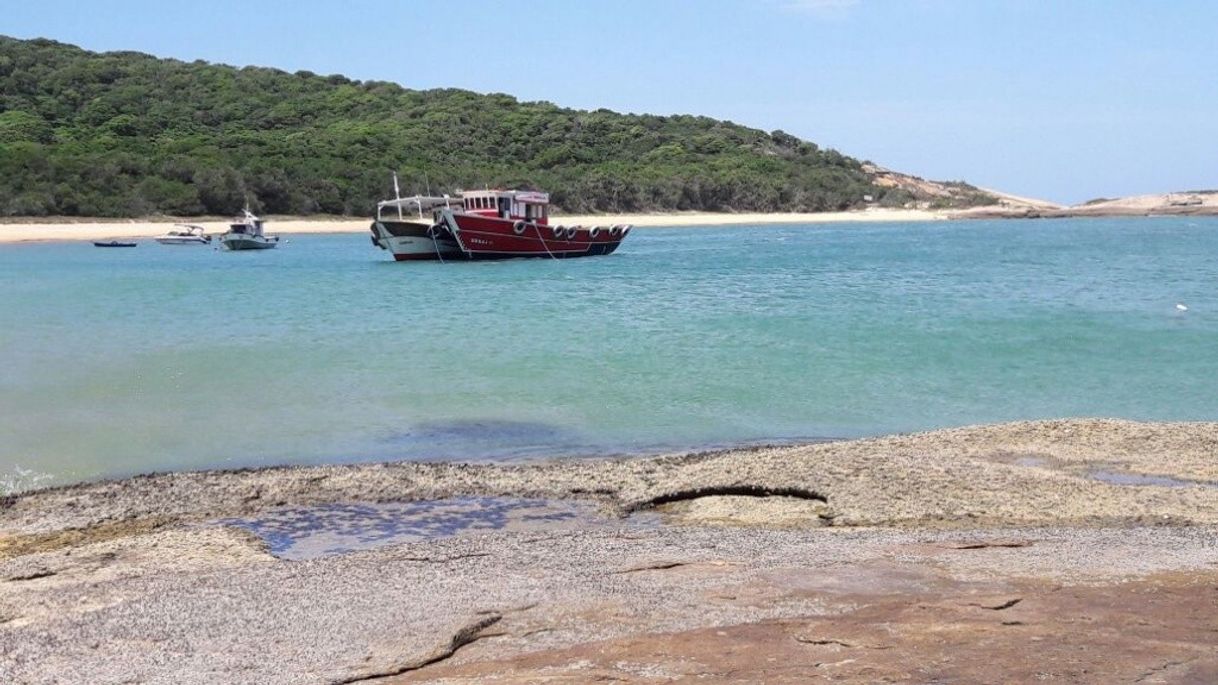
1188, 203
926, 194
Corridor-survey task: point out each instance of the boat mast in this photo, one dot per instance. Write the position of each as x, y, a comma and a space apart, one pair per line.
397, 195
428, 184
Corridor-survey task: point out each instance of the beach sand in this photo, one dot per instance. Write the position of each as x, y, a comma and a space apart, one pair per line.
1204, 203
1075, 550
95, 229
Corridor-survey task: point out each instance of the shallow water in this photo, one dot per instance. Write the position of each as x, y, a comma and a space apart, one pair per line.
121, 361
311, 532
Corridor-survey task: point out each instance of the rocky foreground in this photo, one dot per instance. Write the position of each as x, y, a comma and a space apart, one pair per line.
1075, 551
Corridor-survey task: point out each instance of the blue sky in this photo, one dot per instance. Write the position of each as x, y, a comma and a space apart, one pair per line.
1066, 100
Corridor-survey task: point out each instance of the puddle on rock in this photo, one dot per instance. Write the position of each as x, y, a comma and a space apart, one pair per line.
310, 532
1138, 479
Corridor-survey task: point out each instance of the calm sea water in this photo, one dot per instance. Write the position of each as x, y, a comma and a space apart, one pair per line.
121, 361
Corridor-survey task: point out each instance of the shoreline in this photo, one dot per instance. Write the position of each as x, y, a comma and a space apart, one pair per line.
74, 229
83, 229
863, 481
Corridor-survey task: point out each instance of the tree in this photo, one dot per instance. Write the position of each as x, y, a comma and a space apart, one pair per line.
17, 126
220, 191
116, 134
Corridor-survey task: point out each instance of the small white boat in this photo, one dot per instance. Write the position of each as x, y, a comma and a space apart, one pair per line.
185, 234
245, 233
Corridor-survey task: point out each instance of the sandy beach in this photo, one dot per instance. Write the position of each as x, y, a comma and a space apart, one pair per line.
95, 229
929, 557
14, 230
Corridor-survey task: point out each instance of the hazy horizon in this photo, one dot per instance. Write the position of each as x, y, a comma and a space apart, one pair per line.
1066, 103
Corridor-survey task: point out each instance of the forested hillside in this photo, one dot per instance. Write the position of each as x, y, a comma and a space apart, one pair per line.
128, 134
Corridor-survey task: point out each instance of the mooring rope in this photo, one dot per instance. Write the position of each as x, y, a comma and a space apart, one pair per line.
542, 238
432, 232
436, 243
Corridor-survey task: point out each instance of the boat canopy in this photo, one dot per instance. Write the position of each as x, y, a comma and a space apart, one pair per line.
531, 197
520, 204
414, 203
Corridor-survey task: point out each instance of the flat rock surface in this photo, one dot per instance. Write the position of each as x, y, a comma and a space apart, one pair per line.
984, 554
207, 605
946, 631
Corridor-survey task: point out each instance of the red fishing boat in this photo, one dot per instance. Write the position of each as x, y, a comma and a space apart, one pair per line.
485, 224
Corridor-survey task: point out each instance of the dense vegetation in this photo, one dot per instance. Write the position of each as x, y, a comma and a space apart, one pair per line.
127, 134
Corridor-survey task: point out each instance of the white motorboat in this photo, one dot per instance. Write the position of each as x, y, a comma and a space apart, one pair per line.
245, 233
185, 234
408, 238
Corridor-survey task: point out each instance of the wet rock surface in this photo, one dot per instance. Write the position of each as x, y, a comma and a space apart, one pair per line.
965, 476
311, 532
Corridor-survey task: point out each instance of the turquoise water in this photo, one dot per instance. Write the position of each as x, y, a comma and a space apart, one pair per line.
121, 361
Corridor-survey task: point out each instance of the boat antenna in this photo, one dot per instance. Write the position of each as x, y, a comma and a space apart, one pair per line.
397, 195
426, 182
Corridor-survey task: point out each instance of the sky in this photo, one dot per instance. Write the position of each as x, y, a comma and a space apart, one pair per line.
1065, 100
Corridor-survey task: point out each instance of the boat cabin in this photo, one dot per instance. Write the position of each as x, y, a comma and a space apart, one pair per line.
526, 205
247, 224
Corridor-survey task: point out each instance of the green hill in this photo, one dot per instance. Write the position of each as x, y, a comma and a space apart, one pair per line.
128, 134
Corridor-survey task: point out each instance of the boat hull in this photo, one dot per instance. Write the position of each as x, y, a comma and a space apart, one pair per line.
483, 237
183, 241
244, 242
410, 241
